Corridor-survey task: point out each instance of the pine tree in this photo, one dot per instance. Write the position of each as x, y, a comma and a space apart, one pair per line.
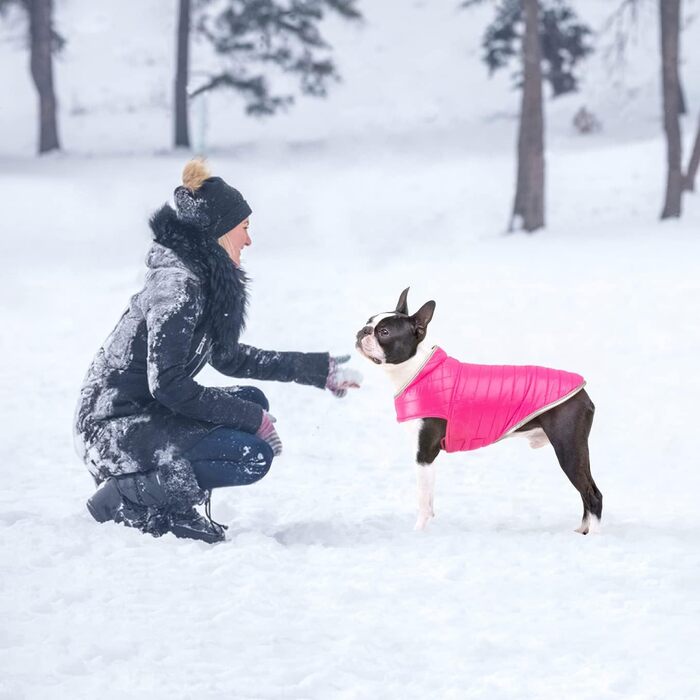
256, 36
549, 41
528, 207
564, 41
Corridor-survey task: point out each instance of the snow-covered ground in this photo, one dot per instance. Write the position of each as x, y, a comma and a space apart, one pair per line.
323, 590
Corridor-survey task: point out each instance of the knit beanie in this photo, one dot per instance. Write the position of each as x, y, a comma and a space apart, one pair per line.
208, 202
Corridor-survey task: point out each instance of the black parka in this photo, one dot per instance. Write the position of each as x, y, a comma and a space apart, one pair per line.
140, 407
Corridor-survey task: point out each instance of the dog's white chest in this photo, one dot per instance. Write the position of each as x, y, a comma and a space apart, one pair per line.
411, 431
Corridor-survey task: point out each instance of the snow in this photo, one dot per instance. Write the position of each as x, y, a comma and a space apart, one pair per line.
323, 589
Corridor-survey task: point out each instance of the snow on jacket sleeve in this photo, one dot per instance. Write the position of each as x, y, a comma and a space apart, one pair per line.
172, 307
301, 367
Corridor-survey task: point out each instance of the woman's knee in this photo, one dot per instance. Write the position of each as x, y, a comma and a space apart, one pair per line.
252, 393
263, 459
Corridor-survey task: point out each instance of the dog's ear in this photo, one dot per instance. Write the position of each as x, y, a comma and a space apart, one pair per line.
422, 318
402, 306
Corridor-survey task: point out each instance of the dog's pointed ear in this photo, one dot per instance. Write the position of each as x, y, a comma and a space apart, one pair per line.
422, 318
402, 306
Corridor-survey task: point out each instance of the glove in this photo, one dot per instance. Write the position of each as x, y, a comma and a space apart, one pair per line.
267, 432
340, 379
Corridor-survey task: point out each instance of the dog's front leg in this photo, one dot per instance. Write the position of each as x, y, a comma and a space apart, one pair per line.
425, 474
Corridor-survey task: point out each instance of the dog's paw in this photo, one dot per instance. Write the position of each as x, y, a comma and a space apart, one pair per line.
422, 521
589, 526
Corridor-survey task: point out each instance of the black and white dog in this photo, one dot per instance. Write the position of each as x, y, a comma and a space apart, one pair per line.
396, 341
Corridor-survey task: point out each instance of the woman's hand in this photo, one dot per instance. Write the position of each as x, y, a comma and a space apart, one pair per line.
340, 379
267, 432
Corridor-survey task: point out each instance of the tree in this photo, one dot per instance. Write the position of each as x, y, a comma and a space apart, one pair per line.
693, 163
670, 39
44, 41
528, 208
42, 44
550, 41
254, 37
564, 42
182, 130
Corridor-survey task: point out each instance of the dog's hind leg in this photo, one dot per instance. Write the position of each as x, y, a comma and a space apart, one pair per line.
430, 436
567, 426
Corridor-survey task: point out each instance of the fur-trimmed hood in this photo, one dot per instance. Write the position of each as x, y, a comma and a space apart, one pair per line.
224, 284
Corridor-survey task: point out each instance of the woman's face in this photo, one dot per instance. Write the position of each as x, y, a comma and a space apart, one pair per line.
235, 240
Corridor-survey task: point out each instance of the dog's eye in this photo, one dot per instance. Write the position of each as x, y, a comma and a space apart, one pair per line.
383, 331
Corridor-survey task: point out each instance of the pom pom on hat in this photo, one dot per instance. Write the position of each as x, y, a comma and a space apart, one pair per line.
195, 173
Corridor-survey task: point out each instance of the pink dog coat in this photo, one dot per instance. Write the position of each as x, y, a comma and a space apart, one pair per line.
481, 403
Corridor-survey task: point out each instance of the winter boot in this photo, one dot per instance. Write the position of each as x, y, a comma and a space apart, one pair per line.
194, 526
140, 500
103, 504
137, 492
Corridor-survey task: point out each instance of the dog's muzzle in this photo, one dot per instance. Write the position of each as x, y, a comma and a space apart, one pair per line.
366, 343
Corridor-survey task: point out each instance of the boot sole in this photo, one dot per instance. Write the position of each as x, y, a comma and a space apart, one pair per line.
186, 533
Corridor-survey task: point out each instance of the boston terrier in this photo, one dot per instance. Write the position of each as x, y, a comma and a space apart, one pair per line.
455, 406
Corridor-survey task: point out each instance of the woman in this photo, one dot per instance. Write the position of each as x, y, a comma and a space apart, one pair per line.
155, 440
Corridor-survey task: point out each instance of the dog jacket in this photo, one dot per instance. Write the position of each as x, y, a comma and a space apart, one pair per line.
481, 403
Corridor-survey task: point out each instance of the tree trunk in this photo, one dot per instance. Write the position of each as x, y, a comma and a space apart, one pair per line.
528, 208
670, 36
41, 64
182, 130
682, 108
691, 173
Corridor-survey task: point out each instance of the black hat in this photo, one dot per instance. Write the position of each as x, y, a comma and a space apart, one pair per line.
208, 202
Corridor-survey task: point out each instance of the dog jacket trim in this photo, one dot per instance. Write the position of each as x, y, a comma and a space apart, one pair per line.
481, 403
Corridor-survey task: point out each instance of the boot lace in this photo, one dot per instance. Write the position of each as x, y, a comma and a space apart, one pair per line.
207, 512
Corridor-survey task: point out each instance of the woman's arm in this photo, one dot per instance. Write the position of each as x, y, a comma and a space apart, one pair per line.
246, 361
172, 306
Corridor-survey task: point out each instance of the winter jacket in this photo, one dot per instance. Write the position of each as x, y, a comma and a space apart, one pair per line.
481, 403
140, 407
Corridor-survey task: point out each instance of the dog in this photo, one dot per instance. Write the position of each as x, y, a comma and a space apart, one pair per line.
453, 406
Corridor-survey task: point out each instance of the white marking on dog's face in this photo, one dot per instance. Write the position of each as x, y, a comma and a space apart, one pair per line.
379, 317
368, 344
371, 349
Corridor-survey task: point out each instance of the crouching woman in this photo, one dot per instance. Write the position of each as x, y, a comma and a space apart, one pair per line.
156, 441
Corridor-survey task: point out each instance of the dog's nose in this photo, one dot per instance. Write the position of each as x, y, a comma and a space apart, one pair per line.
367, 330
